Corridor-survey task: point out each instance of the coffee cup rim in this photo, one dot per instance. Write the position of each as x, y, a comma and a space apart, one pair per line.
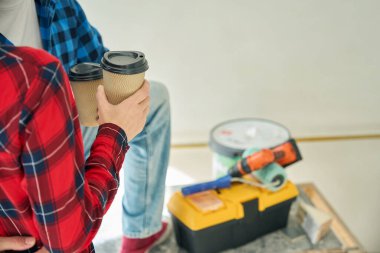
140, 65
93, 74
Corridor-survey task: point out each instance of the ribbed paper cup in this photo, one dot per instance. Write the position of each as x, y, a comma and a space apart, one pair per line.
85, 79
118, 87
85, 98
123, 73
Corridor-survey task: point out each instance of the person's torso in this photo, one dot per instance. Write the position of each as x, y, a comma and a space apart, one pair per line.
64, 31
22, 74
16, 78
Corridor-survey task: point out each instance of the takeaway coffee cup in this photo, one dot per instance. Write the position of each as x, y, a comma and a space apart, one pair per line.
85, 79
123, 73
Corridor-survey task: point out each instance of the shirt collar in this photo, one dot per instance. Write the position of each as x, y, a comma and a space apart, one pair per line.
5, 41
45, 12
44, 2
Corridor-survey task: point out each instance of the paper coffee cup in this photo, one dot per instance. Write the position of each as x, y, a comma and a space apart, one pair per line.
123, 74
85, 79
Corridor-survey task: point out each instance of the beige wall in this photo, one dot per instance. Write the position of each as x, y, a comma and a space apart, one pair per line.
312, 65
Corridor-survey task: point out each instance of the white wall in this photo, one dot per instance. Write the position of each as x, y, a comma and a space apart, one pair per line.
312, 65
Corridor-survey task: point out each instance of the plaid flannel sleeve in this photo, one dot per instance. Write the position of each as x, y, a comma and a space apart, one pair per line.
90, 43
68, 196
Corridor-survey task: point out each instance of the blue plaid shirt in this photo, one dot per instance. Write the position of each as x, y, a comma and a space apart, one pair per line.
66, 33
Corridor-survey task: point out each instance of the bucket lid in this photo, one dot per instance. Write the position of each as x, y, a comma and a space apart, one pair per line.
231, 138
124, 62
85, 72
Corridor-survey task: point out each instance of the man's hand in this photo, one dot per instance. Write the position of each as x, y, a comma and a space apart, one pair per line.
130, 114
16, 243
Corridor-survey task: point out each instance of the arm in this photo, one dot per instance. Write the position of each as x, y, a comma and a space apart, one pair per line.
68, 197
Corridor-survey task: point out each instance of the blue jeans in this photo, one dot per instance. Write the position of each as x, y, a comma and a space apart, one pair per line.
145, 167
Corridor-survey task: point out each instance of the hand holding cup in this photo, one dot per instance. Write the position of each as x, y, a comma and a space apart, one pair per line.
130, 114
121, 74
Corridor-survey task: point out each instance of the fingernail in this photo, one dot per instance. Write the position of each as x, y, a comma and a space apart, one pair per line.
30, 241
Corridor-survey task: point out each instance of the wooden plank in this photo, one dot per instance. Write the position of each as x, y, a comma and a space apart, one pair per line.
324, 251
298, 139
348, 240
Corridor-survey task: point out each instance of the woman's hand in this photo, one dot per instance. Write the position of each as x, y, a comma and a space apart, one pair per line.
19, 243
16, 243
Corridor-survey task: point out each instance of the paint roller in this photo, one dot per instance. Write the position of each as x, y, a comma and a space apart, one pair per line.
265, 164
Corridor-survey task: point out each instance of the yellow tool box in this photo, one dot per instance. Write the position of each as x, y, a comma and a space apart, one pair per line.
217, 220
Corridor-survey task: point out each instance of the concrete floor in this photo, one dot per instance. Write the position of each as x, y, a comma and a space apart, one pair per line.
346, 172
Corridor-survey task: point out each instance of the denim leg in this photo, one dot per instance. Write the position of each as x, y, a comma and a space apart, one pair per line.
89, 135
145, 167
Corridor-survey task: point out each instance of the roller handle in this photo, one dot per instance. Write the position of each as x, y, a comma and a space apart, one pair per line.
223, 182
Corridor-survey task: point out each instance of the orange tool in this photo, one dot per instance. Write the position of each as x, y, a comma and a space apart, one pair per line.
284, 154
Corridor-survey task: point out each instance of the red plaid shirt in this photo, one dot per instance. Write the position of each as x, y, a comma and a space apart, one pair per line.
47, 189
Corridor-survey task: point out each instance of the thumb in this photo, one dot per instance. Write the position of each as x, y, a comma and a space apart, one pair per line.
16, 243
101, 97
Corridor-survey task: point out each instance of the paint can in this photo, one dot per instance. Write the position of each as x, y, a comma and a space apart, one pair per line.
229, 140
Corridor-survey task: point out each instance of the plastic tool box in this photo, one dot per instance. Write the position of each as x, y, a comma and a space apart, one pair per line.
217, 220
